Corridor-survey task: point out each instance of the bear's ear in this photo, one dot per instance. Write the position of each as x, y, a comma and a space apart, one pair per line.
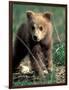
29, 14
48, 15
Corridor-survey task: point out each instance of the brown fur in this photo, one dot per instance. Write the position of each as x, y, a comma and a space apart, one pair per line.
46, 43
42, 48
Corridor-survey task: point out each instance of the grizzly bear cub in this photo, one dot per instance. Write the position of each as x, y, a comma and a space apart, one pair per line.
36, 34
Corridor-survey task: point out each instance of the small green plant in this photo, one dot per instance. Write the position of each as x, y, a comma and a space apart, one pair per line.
59, 54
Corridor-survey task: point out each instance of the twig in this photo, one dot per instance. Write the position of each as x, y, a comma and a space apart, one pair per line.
38, 66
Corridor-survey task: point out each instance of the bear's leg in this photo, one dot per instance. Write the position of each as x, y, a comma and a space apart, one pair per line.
41, 58
49, 59
19, 53
39, 63
25, 65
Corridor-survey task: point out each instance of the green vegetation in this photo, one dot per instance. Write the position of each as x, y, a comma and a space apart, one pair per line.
19, 16
59, 54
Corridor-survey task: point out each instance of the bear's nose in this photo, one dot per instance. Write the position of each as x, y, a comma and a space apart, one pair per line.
35, 38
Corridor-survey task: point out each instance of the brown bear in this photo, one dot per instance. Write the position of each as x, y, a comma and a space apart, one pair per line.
35, 34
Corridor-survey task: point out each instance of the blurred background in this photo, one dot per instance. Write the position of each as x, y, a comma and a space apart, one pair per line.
59, 25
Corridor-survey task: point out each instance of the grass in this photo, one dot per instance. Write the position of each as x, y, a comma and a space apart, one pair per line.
59, 54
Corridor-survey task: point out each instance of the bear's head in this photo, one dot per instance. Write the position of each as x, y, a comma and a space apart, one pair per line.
39, 24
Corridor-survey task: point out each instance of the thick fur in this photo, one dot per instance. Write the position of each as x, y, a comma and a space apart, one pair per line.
40, 49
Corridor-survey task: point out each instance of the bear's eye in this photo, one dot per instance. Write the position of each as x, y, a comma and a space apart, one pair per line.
33, 28
41, 28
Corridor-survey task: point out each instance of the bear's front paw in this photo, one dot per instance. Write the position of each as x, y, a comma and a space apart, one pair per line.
45, 72
25, 65
50, 69
24, 69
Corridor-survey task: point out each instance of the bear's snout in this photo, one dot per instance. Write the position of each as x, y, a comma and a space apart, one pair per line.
35, 38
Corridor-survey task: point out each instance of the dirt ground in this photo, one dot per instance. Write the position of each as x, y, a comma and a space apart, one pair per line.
59, 77
60, 74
